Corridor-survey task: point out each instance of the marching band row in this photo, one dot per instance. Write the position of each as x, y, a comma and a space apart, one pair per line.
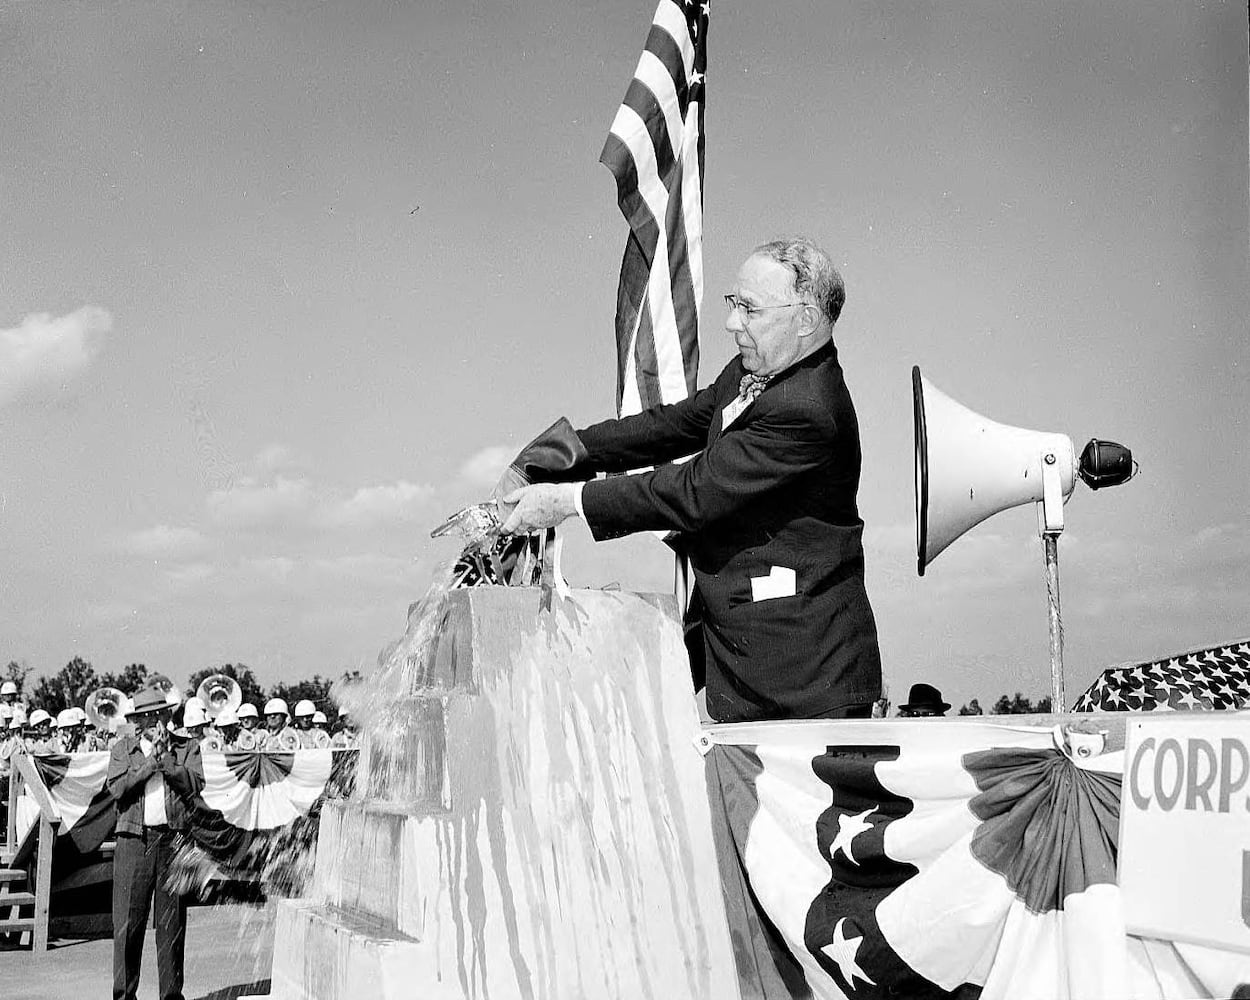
216, 717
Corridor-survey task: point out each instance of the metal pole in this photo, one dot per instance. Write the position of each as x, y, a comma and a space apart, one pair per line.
1057, 701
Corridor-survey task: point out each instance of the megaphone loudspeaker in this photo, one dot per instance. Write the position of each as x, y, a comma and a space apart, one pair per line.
969, 467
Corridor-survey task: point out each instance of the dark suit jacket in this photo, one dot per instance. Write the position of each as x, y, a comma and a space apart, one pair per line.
775, 489
128, 772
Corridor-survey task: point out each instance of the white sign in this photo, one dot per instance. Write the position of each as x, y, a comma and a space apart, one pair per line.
1184, 859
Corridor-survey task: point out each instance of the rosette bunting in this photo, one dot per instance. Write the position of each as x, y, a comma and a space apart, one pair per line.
76, 783
881, 859
238, 802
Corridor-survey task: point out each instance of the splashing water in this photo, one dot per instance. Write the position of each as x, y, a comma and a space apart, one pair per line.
399, 708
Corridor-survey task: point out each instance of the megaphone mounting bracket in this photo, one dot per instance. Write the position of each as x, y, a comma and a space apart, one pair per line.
1050, 509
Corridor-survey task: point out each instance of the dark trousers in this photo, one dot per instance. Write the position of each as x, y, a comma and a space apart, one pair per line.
140, 866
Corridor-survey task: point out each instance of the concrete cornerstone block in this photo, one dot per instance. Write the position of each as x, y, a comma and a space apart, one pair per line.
555, 840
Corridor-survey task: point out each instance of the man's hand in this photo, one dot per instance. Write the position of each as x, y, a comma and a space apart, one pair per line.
533, 508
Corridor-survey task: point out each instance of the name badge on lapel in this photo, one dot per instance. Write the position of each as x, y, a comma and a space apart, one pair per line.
733, 411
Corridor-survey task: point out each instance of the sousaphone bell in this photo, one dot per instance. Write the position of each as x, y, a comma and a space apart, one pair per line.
105, 708
218, 692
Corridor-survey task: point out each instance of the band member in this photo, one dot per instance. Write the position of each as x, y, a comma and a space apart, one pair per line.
9, 696
195, 719
227, 726
278, 733
346, 737
148, 815
39, 738
249, 718
69, 732
309, 737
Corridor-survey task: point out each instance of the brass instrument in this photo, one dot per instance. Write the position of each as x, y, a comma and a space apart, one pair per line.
105, 708
167, 687
246, 740
218, 692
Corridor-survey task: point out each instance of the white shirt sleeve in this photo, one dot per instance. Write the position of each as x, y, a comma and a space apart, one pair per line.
577, 500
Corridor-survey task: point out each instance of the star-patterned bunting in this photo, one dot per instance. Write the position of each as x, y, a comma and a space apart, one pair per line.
1212, 679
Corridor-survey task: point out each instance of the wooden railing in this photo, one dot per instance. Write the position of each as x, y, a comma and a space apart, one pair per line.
40, 840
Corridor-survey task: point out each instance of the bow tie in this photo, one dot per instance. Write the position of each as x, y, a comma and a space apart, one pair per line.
752, 385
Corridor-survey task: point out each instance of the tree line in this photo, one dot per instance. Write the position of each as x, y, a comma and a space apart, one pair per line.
73, 683
1016, 704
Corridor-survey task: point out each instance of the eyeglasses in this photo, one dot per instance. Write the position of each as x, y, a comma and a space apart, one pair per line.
749, 312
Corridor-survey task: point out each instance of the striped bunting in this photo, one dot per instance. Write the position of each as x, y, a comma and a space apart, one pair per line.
242, 805
933, 859
655, 152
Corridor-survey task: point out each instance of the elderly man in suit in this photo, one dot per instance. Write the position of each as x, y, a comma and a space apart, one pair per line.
143, 778
766, 509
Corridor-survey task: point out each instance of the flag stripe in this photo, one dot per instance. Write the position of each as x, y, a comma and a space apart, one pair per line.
692, 209
654, 150
652, 98
679, 377
672, 20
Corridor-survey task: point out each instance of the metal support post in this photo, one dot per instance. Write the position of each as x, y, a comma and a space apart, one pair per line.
1051, 541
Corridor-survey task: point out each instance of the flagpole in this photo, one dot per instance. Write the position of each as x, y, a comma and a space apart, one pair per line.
1050, 540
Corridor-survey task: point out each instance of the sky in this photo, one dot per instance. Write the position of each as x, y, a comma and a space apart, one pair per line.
282, 285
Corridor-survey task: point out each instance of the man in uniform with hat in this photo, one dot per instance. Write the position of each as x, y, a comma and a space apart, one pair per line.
309, 738
149, 813
248, 735
39, 739
278, 734
923, 701
249, 718
69, 732
346, 738
227, 726
6, 752
194, 720
9, 696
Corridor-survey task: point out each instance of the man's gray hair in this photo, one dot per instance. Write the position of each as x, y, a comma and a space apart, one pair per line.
815, 277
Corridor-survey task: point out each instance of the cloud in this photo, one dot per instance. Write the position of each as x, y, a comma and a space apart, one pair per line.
190, 575
164, 541
272, 458
484, 467
298, 503
399, 501
251, 504
44, 352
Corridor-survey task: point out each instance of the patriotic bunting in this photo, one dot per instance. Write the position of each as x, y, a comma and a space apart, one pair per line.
244, 803
76, 783
874, 860
1214, 678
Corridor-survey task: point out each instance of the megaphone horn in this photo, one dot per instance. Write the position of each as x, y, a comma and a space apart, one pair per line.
219, 691
969, 467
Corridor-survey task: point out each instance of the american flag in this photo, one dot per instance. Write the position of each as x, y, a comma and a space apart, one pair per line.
1215, 678
655, 152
